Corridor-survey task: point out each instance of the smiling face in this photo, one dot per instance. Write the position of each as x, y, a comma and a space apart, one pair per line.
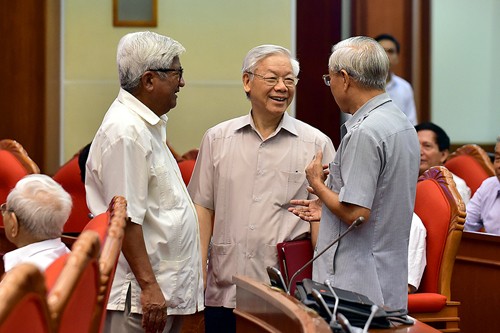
269, 99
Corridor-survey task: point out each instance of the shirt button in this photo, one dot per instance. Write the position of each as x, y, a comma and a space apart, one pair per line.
252, 227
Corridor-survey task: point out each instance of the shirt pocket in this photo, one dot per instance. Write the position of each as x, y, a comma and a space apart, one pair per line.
295, 186
176, 279
167, 187
224, 263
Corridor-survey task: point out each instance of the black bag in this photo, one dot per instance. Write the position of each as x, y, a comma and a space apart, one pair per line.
356, 307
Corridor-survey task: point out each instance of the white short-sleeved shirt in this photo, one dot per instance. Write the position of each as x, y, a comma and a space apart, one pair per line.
129, 157
401, 93
42, 254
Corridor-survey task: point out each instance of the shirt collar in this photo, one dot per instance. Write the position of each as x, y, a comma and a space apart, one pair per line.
13, 257
363, 112
140, 109
286, 123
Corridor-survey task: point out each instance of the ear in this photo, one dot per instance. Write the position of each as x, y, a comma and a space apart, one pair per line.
147, 80
444, 155
13, 226
246, 82
346, 79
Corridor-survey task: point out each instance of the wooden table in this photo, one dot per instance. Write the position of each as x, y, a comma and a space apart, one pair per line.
475, 282
260, 308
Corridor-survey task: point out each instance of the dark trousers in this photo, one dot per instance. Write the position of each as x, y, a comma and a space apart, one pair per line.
219, 320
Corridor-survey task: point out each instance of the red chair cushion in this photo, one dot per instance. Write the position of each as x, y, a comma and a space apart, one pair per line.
11, 171
467, 168
433, 208
186, 167
69, 178
100, 224
425, 302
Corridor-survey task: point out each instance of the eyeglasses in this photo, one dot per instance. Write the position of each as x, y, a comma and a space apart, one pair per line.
179, 71
271, 81
4, 209
327, 79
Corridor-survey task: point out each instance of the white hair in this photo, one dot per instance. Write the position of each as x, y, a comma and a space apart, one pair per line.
41, 205
363, 59
263, 51
139, 52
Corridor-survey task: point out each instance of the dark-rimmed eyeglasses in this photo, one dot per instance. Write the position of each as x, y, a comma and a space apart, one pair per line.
289, 81
327, 79
4, 209
179, 71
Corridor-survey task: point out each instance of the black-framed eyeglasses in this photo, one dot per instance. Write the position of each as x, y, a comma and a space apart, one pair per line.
179, 71
327, 79
289, 81
4, 209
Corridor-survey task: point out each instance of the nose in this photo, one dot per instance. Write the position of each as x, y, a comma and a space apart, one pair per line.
280, 85
182, 83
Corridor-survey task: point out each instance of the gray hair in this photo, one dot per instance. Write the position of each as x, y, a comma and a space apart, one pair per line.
263, 51
142, 51
41, 205
363, 59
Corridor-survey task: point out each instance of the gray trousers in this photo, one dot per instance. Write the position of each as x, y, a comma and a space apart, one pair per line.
127, 322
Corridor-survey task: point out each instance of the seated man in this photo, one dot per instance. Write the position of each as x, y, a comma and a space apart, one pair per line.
483, 210
34, 216
434, 150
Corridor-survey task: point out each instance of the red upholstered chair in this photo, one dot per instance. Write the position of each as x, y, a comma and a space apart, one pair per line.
442, 211
69, 178
110, 226
73, 284
14, 165
472, 164
23, 306
186, 167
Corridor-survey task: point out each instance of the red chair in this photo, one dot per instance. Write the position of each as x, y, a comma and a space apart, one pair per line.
472, 164
441, 209
24, 305
69, 178
186, 167
110, 226
14, 165
73, 284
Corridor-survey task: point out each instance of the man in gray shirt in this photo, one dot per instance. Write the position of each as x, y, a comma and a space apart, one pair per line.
373, 175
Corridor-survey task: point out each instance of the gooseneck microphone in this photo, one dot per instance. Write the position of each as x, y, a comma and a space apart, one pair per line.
353, 225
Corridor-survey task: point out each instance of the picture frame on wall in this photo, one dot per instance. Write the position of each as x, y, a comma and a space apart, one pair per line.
135, 13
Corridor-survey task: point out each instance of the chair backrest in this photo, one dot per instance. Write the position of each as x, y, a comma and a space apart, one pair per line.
14, 165
472, 164
186, 167
108, 259
68, 176
441, 209
23, 306
17, 150
73, 284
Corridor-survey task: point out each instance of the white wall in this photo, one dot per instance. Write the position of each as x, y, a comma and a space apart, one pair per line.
465, 69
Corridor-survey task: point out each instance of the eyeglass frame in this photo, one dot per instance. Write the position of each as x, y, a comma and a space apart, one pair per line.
4, 209
270, 79
327, 79
180, 71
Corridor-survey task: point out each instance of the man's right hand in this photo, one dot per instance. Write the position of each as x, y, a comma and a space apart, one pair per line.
154, 309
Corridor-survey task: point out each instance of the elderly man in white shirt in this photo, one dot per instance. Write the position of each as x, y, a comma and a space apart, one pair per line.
34, 216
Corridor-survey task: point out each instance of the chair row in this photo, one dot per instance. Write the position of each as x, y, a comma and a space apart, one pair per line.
72, 294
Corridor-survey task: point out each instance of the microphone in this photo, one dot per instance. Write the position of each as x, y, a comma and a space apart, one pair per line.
353, 225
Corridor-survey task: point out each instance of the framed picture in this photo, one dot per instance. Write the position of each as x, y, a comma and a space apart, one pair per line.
134, 13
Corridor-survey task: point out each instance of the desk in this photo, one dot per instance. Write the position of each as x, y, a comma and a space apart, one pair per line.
474, 282
260, 308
